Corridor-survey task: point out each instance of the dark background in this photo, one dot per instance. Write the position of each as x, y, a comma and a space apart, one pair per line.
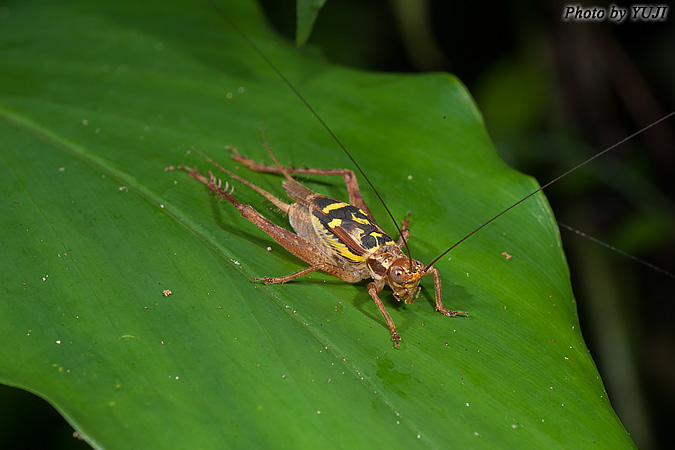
553, 93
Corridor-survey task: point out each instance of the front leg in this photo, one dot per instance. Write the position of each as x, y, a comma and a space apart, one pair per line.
373, 290
437, 291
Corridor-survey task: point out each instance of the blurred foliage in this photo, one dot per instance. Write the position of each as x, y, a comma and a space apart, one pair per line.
307, 12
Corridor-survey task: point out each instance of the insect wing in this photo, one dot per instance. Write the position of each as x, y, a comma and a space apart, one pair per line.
347, 230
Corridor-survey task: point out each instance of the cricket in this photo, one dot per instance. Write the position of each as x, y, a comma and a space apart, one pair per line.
342, 238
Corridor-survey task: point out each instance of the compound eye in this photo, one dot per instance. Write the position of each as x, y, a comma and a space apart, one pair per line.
397, 274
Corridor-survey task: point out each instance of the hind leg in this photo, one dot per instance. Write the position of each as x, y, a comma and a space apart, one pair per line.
295, 244
348, 176
194, 173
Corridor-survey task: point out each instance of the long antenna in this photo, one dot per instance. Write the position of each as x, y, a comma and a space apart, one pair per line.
318, 117
616, 250
597, 155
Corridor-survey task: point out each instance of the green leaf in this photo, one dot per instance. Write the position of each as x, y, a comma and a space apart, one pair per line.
307, 12
97, 100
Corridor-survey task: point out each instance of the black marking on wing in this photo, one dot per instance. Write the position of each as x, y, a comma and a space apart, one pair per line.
347, 229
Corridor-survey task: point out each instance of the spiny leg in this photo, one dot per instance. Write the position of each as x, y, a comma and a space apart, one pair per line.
437, 292
348, 176
290, 241
295, 244
372, 290
278, 203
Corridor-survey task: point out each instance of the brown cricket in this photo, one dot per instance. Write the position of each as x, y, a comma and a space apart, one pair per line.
341, 239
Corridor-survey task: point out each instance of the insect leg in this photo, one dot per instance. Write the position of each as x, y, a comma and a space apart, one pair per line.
437, 291
405, 232
372, 290
348, 176
290, 241
295, 244
194, 173
293, 276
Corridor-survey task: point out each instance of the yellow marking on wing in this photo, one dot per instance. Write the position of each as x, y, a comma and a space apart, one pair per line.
334, 243
346, 253
357, 235
335, 223
333, 206
363, 221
